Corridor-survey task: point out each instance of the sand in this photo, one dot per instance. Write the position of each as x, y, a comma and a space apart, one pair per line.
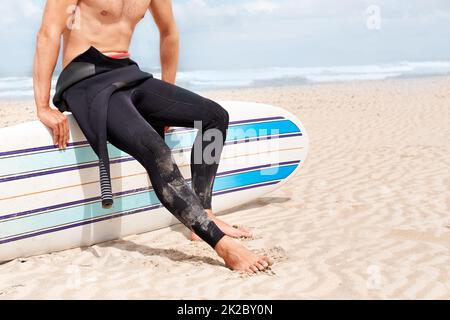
368, 216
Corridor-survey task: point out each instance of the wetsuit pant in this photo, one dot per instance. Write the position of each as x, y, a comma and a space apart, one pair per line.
135, 124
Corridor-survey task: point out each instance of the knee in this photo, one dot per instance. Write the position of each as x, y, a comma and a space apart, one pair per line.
220, 116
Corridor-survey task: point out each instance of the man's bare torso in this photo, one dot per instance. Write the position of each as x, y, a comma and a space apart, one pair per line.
107, 25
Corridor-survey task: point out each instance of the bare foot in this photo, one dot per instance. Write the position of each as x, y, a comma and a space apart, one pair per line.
232, 231
239, 258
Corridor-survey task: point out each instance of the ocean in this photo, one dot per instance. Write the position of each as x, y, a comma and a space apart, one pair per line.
201, 80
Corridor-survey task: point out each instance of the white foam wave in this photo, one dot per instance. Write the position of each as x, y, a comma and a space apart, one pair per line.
11, 87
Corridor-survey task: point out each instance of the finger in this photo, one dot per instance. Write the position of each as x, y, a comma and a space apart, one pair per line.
67, 132
55, 136
65, 128
61, 135
254, 269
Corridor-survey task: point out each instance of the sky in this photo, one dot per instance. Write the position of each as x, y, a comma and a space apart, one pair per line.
241, 34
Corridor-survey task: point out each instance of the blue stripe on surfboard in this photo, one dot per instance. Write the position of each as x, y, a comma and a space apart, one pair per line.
125, 159
231, 123
125, 192
56, 159
239, 132
78, 143
42, 148
56, 218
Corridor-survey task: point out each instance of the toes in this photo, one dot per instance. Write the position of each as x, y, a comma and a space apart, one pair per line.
266, 260
247, 234
243, 234
236, 234
244, 231
239, 234
260, 266
263, 262
254, 269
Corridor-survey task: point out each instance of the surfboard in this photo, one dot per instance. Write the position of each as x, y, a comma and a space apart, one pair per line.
50, 199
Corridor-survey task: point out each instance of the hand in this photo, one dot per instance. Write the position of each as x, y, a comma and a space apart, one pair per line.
166, 129
57, 122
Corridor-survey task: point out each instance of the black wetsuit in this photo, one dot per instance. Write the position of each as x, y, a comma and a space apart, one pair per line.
113, 100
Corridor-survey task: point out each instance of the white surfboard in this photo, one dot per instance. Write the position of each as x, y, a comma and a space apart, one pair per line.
49, 199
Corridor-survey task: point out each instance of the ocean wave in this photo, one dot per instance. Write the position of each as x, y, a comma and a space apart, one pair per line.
11, 87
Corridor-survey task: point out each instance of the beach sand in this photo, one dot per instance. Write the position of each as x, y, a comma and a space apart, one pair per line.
368, 216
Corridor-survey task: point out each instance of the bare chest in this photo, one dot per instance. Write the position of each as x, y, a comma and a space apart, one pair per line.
113, 10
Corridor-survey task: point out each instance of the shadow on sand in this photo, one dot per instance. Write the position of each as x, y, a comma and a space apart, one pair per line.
172, 254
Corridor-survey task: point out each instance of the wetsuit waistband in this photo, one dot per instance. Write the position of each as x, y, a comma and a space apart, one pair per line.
118, 54
104, 61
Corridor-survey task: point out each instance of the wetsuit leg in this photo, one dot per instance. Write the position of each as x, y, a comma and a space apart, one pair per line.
164, 104
130, 132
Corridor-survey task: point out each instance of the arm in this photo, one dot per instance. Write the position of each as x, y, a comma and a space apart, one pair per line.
47, 51
162, 13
